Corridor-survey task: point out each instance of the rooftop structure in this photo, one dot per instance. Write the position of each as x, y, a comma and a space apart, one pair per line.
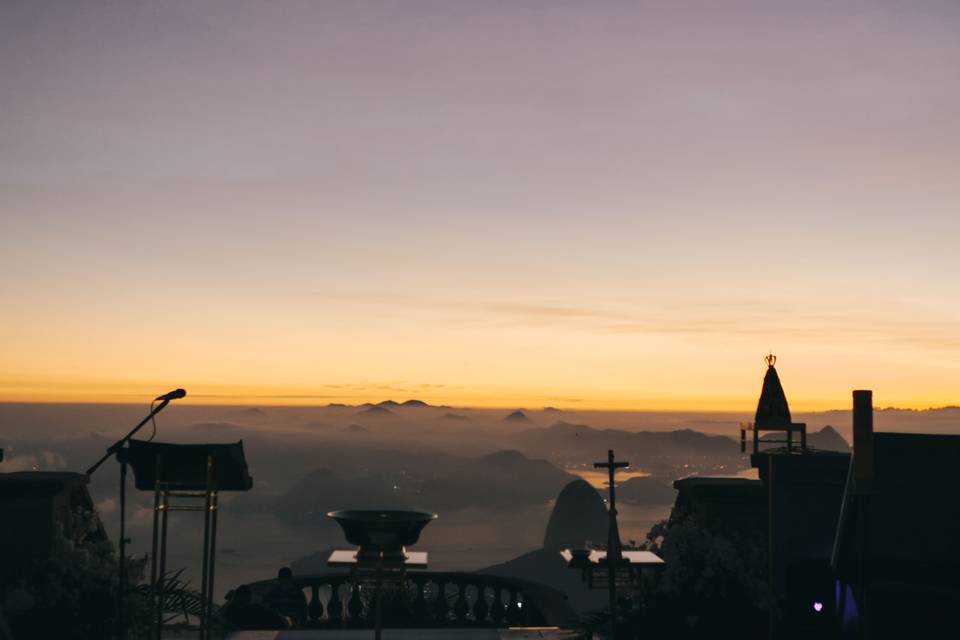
773, 414
894, 553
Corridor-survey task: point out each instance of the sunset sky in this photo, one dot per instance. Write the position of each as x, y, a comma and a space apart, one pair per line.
599, 205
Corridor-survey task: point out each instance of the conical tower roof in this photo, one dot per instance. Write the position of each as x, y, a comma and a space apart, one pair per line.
772, 409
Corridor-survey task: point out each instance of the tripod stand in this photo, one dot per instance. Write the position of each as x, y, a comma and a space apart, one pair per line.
114, 448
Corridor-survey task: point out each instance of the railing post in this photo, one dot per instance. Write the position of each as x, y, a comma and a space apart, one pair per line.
442, 606
480, 609
513, 609
315, 608
419, 607
460, 606
355, 605
335, 604
497, 609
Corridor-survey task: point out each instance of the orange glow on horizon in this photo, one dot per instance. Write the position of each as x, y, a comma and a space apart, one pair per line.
214, 395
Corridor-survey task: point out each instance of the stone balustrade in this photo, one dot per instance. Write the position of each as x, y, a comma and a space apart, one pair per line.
430, 599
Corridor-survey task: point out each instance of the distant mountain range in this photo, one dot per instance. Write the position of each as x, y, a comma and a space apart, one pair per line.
518, 416
827, 439
666, 454
646, 491
378, 410
387, 404
503, 480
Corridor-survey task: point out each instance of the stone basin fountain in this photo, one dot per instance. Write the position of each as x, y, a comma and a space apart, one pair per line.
381, 533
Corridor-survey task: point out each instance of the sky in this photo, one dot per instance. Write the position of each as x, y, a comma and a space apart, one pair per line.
618, 205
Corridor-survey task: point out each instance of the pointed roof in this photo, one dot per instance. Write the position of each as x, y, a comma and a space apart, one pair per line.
772, 409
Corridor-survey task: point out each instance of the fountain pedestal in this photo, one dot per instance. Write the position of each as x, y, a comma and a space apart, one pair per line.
381, 556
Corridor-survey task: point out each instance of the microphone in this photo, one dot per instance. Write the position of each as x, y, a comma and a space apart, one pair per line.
172, 395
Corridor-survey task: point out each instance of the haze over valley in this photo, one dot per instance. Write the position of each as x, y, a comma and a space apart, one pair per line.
493, 480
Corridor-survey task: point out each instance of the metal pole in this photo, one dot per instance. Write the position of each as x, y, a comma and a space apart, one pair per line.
378, 601
155, 549
165, 503
213, 560
774, 601
122, 592
613, 548
204, 582
122, 573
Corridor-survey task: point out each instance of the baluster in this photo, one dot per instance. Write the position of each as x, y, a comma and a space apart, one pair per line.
481, 608
496, 610
420, 611
395, 610
314, 609
335, 605
355, 605
460, 606
513, 609
442, 607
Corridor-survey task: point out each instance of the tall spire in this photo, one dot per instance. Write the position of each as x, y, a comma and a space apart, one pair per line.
772, 409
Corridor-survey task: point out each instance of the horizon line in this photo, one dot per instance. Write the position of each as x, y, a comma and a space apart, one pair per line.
584, 409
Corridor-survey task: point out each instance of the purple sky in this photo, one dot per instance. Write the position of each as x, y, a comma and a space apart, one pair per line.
618, 203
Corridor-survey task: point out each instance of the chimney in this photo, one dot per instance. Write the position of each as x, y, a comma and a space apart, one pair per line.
863, 441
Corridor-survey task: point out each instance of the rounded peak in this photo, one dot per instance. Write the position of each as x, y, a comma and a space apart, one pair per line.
579, 515
517, 416
577, 488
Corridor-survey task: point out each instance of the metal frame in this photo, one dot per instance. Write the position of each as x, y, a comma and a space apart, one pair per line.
795, 427
162, 505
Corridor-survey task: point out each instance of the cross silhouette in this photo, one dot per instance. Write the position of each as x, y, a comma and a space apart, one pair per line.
614, 552
613, 538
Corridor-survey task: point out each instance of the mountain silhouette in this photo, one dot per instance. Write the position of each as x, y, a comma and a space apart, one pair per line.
827, 439
646, 491
661, 452
507, 480
414, 403
518, 416
579, 515
376, 410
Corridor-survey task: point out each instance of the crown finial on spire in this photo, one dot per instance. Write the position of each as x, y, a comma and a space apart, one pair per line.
770, 359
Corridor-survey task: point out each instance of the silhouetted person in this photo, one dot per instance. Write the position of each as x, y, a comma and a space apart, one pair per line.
287, 599
243, 613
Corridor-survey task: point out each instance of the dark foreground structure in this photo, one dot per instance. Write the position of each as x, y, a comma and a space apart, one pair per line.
860, 545
37, 510
896, 559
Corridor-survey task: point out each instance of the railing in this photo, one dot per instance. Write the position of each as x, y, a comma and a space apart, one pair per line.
430, 599
787, 429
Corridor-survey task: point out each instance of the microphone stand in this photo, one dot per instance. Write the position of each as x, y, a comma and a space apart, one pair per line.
115, 448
